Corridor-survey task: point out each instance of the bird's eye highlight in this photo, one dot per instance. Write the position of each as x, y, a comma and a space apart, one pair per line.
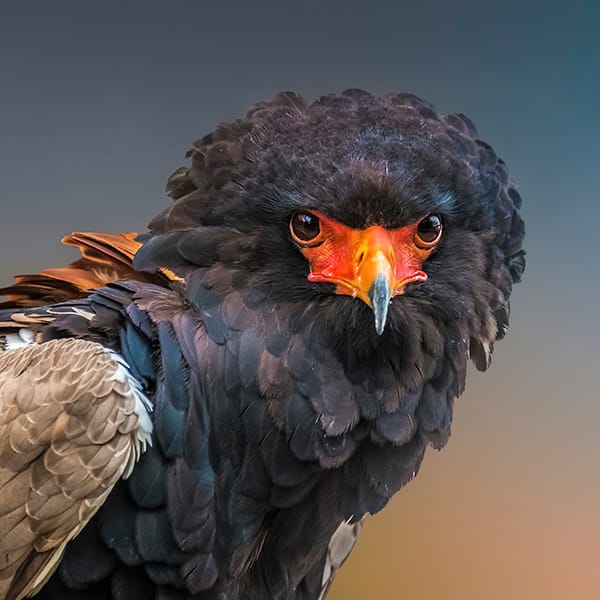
429, 231
305, 228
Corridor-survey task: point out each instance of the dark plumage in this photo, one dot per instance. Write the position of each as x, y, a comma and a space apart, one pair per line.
279, 412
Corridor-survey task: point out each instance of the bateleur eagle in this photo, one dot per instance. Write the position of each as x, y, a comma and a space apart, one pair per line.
209, 410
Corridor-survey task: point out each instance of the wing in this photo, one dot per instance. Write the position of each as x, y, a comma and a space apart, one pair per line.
73, 421
105, 257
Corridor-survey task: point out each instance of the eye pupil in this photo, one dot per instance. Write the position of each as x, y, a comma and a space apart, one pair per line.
305, 227
429, 230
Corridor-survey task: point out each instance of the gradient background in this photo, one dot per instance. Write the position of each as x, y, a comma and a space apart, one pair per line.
99, 103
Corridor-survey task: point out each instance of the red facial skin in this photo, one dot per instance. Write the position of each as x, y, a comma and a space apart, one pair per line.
352, 258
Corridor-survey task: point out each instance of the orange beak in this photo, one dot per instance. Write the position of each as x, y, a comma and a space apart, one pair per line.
373, 264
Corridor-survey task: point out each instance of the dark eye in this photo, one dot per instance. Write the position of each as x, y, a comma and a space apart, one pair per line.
305, 228
429, 231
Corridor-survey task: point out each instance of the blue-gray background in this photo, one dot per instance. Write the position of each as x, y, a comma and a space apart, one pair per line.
99, 101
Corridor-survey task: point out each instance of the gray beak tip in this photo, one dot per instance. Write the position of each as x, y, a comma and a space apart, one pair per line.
380, 297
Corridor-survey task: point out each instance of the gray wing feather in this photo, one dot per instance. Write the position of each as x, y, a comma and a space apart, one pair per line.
340, 545
73, 421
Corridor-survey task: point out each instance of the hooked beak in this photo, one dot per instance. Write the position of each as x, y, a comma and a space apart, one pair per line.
374, 265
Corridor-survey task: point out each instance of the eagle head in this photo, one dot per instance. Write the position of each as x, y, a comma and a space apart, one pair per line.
350, 202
